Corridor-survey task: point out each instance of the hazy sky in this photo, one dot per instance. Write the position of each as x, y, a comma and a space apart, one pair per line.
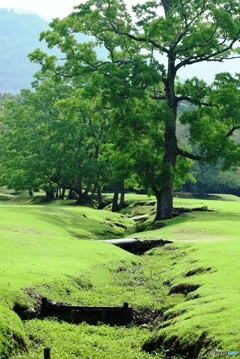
48, 8
61, 8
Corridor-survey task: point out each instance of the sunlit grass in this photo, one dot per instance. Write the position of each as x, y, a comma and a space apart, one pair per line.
221, 222
48, 248
213, 307
52, 249
85, 341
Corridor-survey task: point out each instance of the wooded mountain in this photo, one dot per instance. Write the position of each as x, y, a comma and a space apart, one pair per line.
19, 35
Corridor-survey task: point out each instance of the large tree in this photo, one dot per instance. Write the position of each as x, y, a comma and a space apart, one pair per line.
182, 32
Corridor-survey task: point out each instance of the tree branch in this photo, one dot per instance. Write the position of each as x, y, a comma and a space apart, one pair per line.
230, 132
187, 25
158, 97
140, 39
200, 103
201, 58
207, 43
187, 154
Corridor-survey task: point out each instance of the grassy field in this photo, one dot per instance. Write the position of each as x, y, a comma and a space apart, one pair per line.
52, 250
205, 270
218, 224
192, 284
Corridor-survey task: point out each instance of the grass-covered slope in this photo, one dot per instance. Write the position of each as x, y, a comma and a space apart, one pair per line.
205, 278
187, 292
45, 248
219, 221
204, 273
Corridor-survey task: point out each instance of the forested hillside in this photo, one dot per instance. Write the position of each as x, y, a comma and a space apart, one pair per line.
19, 35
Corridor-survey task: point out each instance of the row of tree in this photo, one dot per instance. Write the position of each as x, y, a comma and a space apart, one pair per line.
89, 122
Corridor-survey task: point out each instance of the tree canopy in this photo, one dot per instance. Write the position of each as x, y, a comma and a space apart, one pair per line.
93, 120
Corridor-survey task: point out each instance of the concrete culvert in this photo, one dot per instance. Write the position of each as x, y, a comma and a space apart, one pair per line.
29, 313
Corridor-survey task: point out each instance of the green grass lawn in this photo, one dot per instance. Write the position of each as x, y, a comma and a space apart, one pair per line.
44, 242
207, 317
221, 222
194, 282
52, 249
205, 255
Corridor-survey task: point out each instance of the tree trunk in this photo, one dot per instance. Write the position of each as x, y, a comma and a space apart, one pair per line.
82, 196
202, 190
80, 199
62, 193
166, 203
100, 200
122, 196
57, 193
85, 196
50, 195
71, 194
115, 206
165, 194
78, 190
92, 194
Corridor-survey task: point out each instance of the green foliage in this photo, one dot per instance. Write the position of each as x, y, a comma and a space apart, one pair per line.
113, 120
212, 128
211, 179
186, 35
53, 138
197, 89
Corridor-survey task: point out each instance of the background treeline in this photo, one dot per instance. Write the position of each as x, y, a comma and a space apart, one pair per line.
96, 121
58, 141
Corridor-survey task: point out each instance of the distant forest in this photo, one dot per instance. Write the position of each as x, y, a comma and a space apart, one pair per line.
19, 35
